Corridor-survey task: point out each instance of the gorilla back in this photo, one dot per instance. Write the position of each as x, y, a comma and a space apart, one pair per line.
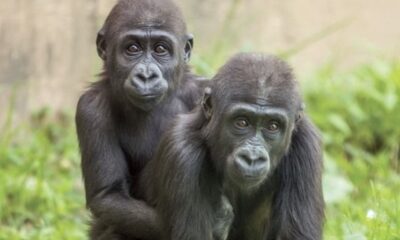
245, 164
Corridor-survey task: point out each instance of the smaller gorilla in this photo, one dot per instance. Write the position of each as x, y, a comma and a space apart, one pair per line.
245, 164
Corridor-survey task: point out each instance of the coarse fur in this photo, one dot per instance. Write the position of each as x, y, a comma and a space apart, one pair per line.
146, 82
257, 179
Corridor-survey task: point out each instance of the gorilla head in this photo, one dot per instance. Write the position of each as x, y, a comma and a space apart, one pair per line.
145, 47
251, 111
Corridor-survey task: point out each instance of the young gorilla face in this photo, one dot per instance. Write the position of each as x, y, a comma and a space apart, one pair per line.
258, 134
148, 58
254, 124
146, 53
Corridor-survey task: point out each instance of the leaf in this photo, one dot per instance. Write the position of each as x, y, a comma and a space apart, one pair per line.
335, 185
338, 122
390, 100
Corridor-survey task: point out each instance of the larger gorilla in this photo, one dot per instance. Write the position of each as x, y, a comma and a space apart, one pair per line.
146, 83
245, 165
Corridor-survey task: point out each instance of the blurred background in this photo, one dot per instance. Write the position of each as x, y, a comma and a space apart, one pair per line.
345, 53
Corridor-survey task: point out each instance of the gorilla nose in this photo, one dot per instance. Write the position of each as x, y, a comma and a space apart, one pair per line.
252, 159
146, 76
143, 74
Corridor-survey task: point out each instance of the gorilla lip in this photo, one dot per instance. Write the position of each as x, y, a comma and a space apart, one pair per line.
250, 175
150, 96
147, 96
247, 181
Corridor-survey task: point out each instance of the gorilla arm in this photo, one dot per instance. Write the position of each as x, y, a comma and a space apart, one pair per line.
105, 173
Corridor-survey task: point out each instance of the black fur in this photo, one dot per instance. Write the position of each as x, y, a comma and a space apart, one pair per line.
119, 126
189, 178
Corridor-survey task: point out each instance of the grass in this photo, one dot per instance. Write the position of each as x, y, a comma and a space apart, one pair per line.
358, 112
41, 194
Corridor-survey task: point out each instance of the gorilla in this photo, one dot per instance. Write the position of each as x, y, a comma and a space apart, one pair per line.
244, 165
146, 82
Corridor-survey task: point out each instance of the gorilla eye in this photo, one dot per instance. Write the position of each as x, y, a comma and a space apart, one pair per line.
273, 126
161, 50
133, 49
242, 123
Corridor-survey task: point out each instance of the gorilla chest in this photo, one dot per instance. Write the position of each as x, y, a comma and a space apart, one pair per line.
253, 220
139, 144
140, 138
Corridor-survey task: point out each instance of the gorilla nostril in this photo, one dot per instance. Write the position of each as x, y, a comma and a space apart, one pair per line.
261, 160
153, 76
141, 77
245, 159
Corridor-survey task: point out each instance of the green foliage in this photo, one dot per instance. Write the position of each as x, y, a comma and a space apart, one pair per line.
358, 112
41, 195
359, 115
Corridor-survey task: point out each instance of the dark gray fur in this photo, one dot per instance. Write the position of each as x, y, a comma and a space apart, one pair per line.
117, 138
187, 179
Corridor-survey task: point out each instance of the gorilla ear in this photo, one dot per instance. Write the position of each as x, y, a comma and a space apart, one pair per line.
188, 47
206, 103
101, 44
300, 112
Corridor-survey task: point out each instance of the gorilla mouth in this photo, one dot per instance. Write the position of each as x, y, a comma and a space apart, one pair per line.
145, 102
149, 96
146, 97
248, 182
247, 178
138, 94
253, 176
252, 172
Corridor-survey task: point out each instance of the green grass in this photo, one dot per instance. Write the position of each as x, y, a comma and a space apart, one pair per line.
41, 194
358, 112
